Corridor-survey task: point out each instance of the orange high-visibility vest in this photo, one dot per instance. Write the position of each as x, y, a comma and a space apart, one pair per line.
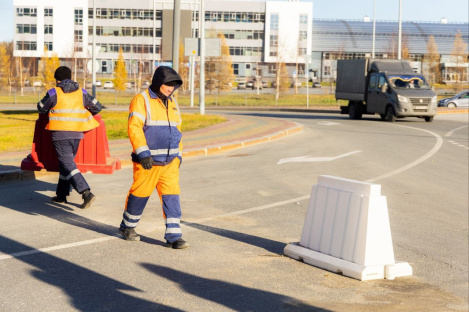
69, 114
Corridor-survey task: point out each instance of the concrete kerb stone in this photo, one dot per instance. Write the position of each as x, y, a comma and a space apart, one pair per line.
18, 174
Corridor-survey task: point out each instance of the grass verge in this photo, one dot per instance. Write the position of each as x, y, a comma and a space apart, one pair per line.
17, 127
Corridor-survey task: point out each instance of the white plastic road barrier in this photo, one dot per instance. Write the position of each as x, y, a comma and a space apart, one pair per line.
347, 230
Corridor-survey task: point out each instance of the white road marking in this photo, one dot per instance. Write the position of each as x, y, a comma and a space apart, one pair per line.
64, 246
436, 147
311, 159
450, 133
328, 123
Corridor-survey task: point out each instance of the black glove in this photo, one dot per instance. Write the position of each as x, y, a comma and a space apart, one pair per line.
147, 163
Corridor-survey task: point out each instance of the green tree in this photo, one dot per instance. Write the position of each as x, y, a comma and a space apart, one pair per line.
120, 73
5, 66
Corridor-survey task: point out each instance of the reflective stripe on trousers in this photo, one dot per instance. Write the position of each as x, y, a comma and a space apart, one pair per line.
69, 174
166, 181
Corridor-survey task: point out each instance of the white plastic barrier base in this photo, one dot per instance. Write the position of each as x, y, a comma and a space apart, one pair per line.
346, 230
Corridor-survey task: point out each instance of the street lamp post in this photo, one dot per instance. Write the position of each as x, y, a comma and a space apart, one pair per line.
374, 30
400, 31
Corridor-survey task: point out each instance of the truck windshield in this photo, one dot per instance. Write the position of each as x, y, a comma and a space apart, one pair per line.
408, 81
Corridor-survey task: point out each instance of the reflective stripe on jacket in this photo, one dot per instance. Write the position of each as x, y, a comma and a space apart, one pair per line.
154, 130
69, 113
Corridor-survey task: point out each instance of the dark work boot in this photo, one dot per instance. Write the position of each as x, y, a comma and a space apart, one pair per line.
177, 244
129, 234
59, 199
88, 198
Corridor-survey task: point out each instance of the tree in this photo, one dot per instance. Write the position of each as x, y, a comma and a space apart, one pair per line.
183, 70
431, 61
5, 66
49, 64
218, 70
120, 73
459, 57
405, 55
224, 73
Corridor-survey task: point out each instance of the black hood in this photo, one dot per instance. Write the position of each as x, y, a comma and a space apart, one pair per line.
68, 86
162, 75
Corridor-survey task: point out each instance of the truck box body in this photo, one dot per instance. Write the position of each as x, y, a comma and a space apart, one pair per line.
351, 80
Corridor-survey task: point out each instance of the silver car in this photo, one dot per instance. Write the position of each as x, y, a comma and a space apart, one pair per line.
459, 100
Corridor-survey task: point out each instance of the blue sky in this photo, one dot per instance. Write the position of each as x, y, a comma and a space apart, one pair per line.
412, 10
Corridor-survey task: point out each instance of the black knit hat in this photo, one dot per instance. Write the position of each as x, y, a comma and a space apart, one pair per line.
62, 73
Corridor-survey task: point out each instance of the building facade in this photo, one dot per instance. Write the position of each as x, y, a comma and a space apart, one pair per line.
260, 35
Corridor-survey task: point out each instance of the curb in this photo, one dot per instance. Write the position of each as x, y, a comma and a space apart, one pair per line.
18, 174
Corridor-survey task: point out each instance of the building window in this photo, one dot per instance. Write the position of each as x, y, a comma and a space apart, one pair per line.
26, 12
248, 66
132, 14
327, 70
48, 46
273, 40
48, 29
272, 69
48, 12
303, 35
301, 51
78, 35
78, 17
26, 29
274, 21
303, 19
235, 69
26, 45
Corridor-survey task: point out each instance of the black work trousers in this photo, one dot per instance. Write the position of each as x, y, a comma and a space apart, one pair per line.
69, 174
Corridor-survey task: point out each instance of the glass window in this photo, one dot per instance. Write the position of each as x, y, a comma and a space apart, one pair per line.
274, 21
48, 12
48, 29
373, 81
78, 17
303, 19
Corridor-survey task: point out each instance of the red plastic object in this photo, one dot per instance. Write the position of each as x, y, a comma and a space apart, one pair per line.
93, 153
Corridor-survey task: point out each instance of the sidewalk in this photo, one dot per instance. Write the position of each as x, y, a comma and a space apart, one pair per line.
238, 131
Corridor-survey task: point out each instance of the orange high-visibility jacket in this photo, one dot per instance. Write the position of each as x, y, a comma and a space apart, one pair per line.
69, 114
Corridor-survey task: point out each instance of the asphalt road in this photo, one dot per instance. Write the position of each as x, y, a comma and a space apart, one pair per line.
240, 209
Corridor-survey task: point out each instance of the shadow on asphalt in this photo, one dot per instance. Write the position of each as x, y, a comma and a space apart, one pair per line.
235, 297
267, 244
87, 290
32, 202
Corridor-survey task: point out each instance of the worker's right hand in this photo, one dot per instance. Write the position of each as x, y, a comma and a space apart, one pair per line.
147, 162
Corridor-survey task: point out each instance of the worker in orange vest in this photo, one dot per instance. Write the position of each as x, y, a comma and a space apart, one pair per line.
70, 111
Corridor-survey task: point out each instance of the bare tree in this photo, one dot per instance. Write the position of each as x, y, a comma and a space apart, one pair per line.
459, 57
431, 61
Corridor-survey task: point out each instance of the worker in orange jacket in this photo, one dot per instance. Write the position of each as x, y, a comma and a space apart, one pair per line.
70, 111
154, 129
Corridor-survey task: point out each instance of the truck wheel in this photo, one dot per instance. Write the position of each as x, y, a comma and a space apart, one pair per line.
355, 110
383, 116
429, 119
390, 116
